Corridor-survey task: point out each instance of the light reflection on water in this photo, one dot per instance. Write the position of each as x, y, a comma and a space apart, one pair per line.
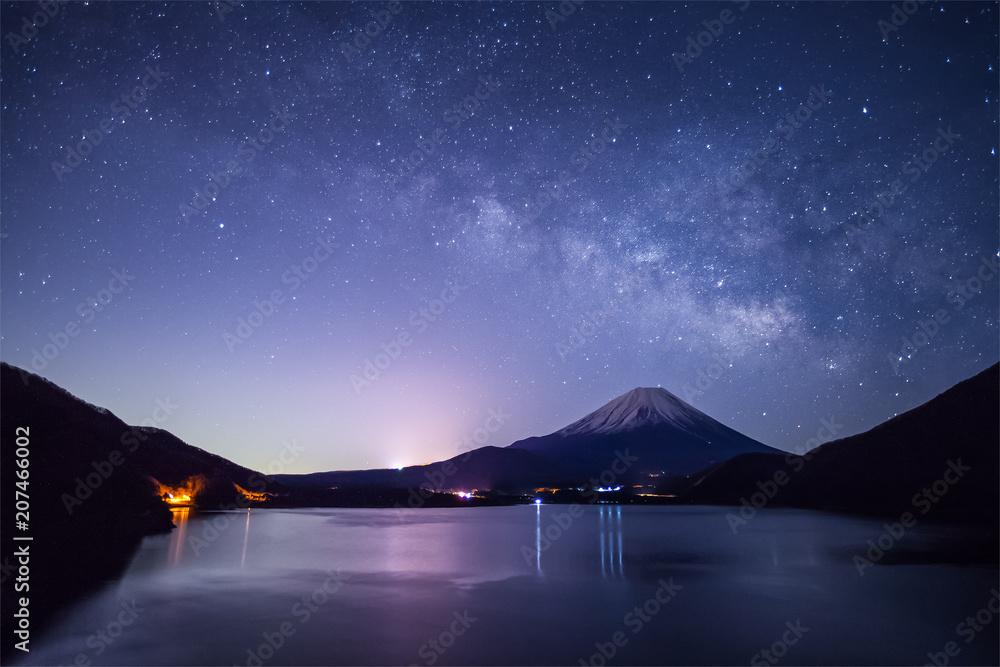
180, 516
246, 538
538, 536
611, 530
213, 589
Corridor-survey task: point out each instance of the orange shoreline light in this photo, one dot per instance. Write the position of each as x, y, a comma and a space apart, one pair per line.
182, 495
251, 495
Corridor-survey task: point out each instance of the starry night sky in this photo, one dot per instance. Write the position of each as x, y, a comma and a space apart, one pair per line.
593, 208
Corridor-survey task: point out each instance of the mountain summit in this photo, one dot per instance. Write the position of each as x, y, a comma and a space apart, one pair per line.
654, 434
639, 407
669, 437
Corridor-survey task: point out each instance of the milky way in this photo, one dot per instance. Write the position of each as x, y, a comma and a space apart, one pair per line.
359, 228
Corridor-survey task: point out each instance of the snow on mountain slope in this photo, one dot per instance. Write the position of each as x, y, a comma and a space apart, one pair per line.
662, 431
639, 407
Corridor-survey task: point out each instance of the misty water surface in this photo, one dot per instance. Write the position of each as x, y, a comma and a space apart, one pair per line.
377, 586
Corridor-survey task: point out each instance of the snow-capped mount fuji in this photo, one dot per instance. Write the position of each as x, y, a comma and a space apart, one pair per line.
639, 407
662, 432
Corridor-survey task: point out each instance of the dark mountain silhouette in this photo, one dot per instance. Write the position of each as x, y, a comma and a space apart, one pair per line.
91, 490
659, 432
492, 468
881, 470
77, 438
663, 433
96, 485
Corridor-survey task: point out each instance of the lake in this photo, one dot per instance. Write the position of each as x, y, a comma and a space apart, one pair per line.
534, 585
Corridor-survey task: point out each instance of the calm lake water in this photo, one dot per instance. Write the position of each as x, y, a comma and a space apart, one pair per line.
485, 585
